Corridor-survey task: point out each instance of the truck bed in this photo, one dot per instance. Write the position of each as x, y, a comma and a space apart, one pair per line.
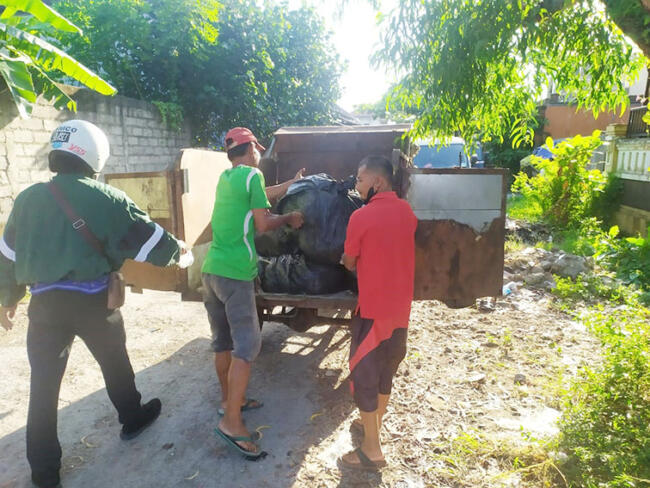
345, 300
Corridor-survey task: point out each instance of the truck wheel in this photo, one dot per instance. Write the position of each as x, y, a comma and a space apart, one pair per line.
303, 320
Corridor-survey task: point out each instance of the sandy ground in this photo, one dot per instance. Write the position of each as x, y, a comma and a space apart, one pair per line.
458, 377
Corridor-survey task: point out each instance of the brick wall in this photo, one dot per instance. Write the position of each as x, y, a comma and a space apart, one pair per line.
139, 140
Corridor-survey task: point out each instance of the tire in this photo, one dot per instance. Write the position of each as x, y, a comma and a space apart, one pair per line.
303, 320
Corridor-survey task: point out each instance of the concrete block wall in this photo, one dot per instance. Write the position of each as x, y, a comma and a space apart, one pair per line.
139, 140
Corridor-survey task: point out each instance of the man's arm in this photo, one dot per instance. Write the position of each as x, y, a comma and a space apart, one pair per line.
349, 262
352, 245
10, 291
141, 239
266, 221
274, 193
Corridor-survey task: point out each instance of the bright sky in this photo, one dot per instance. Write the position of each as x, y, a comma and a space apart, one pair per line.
355, 35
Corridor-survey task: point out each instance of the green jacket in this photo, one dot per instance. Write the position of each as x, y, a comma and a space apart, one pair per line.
39, 244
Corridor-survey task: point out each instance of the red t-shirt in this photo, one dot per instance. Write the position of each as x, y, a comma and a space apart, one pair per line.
381, 235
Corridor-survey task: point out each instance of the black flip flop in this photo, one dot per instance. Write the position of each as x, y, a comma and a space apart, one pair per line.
365, 464
232, 440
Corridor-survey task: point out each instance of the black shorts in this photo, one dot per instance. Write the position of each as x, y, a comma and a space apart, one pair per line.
373, 374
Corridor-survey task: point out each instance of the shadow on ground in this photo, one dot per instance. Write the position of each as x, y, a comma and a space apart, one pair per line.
180, 449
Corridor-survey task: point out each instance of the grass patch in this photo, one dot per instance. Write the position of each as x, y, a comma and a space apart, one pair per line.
481, 461
521, 208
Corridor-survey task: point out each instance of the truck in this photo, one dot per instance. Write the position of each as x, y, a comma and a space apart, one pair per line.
459, 238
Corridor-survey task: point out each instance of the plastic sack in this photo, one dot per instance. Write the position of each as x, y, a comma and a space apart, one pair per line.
293, 274
277, 242
326, 205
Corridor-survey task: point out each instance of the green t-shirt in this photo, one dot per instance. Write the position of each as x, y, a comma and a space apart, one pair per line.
232, 253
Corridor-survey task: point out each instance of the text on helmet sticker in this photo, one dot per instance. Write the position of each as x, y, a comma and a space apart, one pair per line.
61, 134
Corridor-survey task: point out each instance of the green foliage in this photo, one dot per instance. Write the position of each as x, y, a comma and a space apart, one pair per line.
592, 289
605, 426
233, 62
607, 200
171, 114
480, 67
29, 59
387, 108
628, 256
523, 208
564, 189
503, 154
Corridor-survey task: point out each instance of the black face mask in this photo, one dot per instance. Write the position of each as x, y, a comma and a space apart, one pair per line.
371, 193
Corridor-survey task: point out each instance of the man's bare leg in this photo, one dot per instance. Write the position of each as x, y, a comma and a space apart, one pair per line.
371, 445
222, 366
382, 405
232, 423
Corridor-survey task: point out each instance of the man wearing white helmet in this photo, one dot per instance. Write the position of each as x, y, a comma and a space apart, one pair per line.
63, 239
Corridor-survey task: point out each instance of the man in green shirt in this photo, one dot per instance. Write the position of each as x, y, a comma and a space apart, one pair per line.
241, 208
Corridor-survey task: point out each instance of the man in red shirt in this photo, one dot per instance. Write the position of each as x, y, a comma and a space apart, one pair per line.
380, 245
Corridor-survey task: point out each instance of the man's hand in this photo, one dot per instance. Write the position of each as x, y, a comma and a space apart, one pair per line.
296, 219
186, 258
299, 175
349, 262
6, 314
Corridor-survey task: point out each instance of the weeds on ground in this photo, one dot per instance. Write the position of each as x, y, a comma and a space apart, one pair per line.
513, 244
605, 425
590, 289
500, 461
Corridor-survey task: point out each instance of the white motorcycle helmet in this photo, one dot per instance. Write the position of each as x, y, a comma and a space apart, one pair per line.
83, 140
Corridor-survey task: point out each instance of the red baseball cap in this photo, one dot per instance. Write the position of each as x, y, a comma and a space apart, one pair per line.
241, 135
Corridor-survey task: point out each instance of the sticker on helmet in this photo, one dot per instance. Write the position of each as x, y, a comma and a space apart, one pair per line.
76, 149
62, 134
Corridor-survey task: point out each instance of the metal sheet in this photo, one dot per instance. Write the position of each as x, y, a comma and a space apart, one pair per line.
336, 151
460, 236
472, 199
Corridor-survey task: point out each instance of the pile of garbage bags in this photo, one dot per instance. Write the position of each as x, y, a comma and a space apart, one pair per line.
306, 260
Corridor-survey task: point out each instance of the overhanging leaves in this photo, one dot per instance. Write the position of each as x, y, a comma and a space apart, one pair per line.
40, 11
473, 66
15, 73
49, 57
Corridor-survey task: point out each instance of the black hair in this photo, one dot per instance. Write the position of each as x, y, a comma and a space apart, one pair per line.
237, 151
379, 164
67, 163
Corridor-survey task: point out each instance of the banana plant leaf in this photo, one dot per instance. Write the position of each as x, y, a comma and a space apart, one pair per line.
40, 11
15, 72
50, 57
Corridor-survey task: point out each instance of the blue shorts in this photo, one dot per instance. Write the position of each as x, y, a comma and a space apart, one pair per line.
233, 316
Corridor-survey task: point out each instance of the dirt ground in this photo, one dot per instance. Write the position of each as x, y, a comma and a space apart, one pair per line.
458, 378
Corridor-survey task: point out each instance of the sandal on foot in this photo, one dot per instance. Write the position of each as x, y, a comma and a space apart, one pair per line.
365, 464
232, 441
251, 404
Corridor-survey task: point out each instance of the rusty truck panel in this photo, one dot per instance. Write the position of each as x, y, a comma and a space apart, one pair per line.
460, 234
332, 150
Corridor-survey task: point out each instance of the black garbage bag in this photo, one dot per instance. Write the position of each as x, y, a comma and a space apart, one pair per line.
280, 241
327, 205
293, 274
